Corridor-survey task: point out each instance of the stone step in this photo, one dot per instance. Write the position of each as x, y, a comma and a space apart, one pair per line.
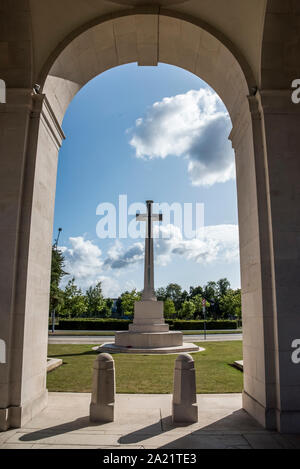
148, 339
185, 347
142, 327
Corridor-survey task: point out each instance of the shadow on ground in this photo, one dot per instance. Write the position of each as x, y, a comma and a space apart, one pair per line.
77, 424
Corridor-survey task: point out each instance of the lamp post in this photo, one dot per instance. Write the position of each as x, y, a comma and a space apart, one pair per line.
53, 312
204, 315
58, 235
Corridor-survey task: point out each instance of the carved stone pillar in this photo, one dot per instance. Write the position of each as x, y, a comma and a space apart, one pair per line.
30, 137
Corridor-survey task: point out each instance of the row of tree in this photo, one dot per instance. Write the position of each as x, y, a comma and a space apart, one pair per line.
221, 302
71, 302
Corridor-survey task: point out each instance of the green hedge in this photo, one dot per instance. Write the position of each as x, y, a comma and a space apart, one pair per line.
88, 324
198, 325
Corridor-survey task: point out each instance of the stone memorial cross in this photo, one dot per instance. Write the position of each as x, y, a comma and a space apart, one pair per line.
149, 217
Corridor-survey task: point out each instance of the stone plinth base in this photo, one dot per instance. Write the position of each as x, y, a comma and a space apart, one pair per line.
270, 418
266, 417
148, 317
113, 348
185, 413
148, 339
18, 416
148, 327
101, 412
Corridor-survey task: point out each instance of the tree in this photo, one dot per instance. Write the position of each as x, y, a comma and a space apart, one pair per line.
95, 301
119, 306
75, 304
57, 273
127, 301
169, 309
187, 310
211, 291
174, 292
160, 294
197, 300
230, 304
106, 311
196, 291
223, 286
211, 294
184, 296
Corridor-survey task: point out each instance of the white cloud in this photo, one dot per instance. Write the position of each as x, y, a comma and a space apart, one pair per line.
83, 260
110, 287
218, 243
194, 125
118, 257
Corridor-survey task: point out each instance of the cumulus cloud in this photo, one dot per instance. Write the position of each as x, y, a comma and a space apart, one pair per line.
110, 287
194, 125
219, 243
118, 257
83, 260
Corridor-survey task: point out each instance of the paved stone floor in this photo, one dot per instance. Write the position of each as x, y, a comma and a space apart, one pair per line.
144, 421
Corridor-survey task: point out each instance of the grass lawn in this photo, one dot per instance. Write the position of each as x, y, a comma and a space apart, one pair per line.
148, 373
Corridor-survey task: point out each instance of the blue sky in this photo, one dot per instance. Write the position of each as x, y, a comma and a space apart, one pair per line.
120, 142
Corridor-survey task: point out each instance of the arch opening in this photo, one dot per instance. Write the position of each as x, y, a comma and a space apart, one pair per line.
174, 133
147, 39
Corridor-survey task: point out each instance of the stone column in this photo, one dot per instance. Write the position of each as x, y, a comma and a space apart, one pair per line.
103, 389
184, 405
281, 129
29, 141
267, 147
256, 276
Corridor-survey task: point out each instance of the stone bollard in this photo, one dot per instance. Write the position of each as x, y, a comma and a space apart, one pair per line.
184, 402
103, 389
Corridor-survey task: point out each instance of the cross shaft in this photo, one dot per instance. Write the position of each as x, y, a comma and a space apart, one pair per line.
149, 217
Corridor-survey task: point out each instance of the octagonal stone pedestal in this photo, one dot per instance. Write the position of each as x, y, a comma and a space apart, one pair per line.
184, 347
148, 339
148, 333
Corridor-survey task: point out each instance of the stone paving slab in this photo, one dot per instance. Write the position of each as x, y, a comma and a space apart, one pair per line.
144, 421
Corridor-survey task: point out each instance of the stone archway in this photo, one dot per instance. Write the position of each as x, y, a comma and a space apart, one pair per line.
147, 36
